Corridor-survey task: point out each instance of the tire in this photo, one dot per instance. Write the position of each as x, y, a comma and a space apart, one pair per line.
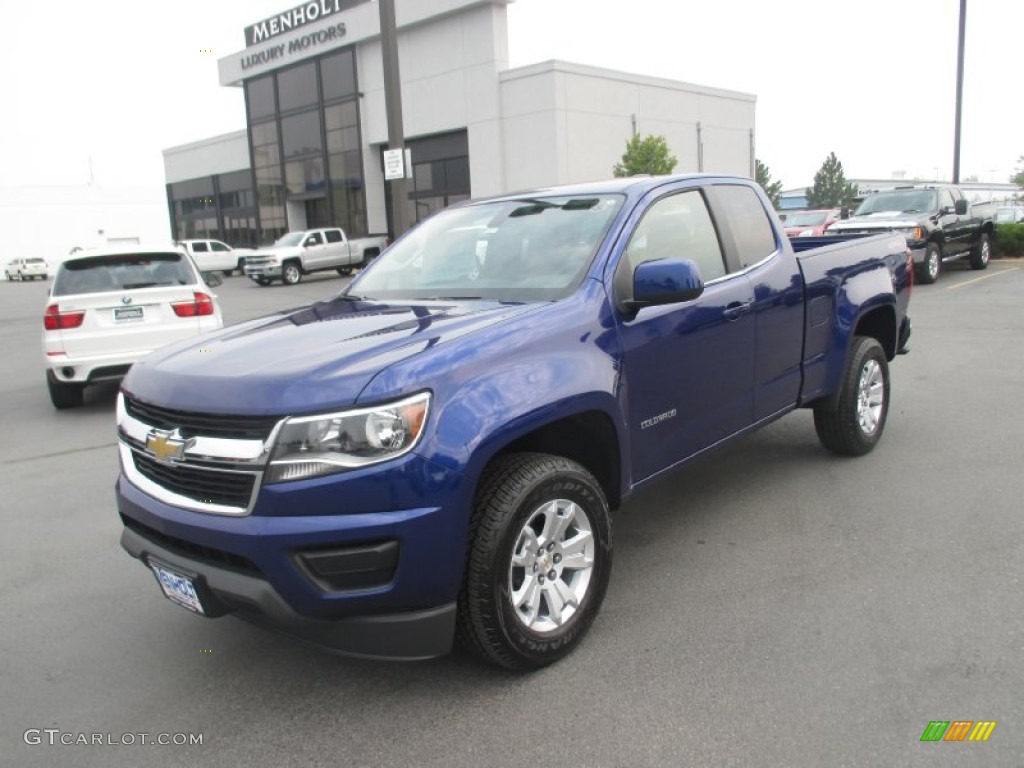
344, 271
856, 425
263, 281
929, 271
369, 256
982, 252
519, 503
291, 273
64, 395
240, 267
228, 272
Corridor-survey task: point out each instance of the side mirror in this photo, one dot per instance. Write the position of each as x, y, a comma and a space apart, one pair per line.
212, 279
960, 206
844, 212
665, 281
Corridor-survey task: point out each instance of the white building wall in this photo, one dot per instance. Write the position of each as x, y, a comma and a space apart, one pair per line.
218, 154
567, 123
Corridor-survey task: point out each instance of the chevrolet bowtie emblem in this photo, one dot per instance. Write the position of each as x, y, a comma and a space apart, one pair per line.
167, 447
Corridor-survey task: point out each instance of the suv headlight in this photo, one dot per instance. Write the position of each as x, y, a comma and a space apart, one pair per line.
311, 446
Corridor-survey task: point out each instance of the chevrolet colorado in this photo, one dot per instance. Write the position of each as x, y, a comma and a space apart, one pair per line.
434, 451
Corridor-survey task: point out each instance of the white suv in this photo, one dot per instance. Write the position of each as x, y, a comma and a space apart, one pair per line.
26, 269
109, 308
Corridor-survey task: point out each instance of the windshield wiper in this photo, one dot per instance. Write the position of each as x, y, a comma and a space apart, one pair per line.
535, 206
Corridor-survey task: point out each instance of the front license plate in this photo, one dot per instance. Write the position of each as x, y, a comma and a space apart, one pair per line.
178, 588
128, 313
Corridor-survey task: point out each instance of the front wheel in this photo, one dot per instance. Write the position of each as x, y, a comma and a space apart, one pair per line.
929, 272
855, 425
263, 281
344, 271
538, 561
291, 273
982, 252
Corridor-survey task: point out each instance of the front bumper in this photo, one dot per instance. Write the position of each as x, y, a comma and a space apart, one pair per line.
262, 271
917, 250
409, 635
347, 562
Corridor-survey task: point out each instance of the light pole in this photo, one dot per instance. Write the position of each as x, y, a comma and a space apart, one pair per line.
959, 92
393, 107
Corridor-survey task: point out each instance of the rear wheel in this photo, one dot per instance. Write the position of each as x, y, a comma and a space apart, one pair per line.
538, 561
929, 271
291, 273
344, 271
64, 395
855, 426
982, 252
369, 256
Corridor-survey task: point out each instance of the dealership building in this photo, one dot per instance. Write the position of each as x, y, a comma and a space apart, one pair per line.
312, 151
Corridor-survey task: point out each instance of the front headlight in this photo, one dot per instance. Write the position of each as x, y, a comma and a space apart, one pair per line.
911, 233
310, 446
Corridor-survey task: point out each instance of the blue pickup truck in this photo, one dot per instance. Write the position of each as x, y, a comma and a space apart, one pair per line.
433, 452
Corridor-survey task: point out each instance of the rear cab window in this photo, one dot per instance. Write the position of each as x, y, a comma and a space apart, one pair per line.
749, 228
333, 235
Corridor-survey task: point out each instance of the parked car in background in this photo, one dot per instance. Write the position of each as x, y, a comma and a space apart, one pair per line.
26, 269
315, 250
215, 256
109, 308
1009, 215
937, 220
810, 223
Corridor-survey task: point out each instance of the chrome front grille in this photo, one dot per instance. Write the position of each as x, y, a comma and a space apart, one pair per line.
218, 468
201, 484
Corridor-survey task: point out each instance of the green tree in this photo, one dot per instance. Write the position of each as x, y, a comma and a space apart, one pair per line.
1018, 177
831, 189
646, 154
763, 176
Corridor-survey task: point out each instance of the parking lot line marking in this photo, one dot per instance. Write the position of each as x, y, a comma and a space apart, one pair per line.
1002, 271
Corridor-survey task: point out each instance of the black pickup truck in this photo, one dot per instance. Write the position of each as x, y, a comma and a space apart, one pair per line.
937, 220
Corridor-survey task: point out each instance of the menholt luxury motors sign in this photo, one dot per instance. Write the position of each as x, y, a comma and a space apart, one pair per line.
297, 17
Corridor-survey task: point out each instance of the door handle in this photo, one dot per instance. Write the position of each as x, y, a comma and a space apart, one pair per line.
736, 310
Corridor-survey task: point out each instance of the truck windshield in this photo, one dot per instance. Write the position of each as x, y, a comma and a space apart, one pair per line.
292, 238
899, 201
535, 249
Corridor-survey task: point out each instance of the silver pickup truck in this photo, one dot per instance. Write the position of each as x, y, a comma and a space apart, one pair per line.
314, 250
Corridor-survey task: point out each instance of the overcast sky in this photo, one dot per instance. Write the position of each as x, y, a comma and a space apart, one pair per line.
874, 80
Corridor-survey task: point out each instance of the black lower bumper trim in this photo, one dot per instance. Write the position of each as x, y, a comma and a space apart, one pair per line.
407, 636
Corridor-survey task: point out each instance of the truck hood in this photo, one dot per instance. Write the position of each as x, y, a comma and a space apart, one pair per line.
280, 251
881, 220
306, 360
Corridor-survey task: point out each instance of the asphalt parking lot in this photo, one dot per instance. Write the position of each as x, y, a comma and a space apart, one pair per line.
772, 605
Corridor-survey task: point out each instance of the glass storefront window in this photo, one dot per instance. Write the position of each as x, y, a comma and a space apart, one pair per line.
296, 87
301, 134
339, 75
260, 97
305, 175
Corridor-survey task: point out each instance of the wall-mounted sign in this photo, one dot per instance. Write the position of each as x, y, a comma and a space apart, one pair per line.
295, 18
394, 164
